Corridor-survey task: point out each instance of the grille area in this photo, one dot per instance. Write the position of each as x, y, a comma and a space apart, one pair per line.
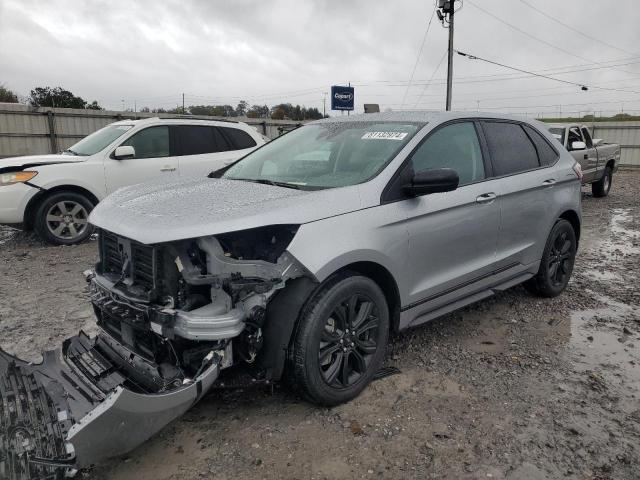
143, 260
111, 257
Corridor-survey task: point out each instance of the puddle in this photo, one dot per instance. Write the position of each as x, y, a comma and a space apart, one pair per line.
613, 240
619, 217
605, 345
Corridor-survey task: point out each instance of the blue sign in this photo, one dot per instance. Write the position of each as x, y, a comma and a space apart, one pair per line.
341, 98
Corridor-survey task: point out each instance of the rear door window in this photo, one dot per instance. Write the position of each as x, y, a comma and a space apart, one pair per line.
239, 139
546, 153
195, 139
511, 150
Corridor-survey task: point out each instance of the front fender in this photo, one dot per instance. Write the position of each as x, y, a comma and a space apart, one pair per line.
377, 235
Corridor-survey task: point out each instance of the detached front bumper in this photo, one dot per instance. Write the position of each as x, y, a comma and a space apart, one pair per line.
76, 408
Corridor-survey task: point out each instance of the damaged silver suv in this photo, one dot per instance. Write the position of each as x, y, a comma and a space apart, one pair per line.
295, 262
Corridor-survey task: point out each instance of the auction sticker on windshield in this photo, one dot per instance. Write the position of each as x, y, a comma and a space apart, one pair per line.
384, 135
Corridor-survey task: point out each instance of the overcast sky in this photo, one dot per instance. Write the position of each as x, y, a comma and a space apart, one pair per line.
268, 52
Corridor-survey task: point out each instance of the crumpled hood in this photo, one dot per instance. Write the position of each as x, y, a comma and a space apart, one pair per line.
20, 163
162, 212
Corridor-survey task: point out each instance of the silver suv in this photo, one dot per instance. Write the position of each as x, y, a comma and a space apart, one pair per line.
298, 261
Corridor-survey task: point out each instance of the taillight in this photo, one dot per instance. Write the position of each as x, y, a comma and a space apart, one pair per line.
578, 169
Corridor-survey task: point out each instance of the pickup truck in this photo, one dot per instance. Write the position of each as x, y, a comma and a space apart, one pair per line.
598, 160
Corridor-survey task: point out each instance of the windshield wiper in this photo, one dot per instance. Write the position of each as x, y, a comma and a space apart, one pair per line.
273, 183
73, 152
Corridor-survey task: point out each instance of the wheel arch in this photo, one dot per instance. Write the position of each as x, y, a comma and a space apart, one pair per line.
284, 310
574, 219
385, 280
32, 206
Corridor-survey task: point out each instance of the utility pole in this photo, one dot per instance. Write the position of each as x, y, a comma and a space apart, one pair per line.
450, 59
446, 11
183, 103
324, 105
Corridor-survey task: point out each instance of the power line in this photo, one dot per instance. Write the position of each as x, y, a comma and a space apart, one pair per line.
527, 34
581, 85
415, 66
497, 78
550, 17
426, 85
549, 69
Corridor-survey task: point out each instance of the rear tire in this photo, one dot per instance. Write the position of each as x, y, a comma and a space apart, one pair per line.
602, 187
557, 262
341, 340
62, 218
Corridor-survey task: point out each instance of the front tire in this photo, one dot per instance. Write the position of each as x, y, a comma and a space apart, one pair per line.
602, 187
557, 262
62, 218
341, 340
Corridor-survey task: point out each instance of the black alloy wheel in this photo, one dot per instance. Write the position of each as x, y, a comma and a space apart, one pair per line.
556, 264
341, 339
349, 341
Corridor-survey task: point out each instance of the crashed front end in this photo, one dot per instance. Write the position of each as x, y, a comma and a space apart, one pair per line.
172, 317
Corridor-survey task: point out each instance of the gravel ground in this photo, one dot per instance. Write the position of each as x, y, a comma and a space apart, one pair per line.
513, 387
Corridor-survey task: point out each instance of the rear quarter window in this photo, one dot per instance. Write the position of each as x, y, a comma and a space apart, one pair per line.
239, 139
511, 150
546, 154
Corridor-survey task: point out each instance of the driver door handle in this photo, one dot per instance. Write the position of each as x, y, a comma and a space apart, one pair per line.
486, 198
549, 182
167, 168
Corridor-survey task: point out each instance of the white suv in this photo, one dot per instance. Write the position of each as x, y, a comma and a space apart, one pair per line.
54, 194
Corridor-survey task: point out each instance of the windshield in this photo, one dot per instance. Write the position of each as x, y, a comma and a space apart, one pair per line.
98, 140
558, 133
326, 155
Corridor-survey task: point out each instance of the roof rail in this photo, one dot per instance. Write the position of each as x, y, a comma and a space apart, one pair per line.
196, 117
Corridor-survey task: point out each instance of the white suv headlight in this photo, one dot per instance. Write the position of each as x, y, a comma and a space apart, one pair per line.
16, 177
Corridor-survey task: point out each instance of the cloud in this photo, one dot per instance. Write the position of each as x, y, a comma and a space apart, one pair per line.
222, 51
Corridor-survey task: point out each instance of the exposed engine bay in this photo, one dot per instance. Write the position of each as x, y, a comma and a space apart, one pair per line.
171, 317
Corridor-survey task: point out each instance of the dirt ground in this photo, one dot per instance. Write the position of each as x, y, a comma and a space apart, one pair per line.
514, 387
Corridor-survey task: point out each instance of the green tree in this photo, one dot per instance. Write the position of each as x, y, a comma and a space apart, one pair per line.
201, 109
60, 98
241, 109
313, 114
621, 116
6, 95
258, 111
93, 106
278, 113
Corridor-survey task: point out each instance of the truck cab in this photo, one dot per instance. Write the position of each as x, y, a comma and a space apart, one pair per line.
598, 160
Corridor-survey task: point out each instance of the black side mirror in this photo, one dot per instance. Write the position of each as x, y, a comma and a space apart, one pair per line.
432, 181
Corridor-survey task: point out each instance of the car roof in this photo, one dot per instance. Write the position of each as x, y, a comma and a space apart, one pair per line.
421, 116
565, 125
180, 121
